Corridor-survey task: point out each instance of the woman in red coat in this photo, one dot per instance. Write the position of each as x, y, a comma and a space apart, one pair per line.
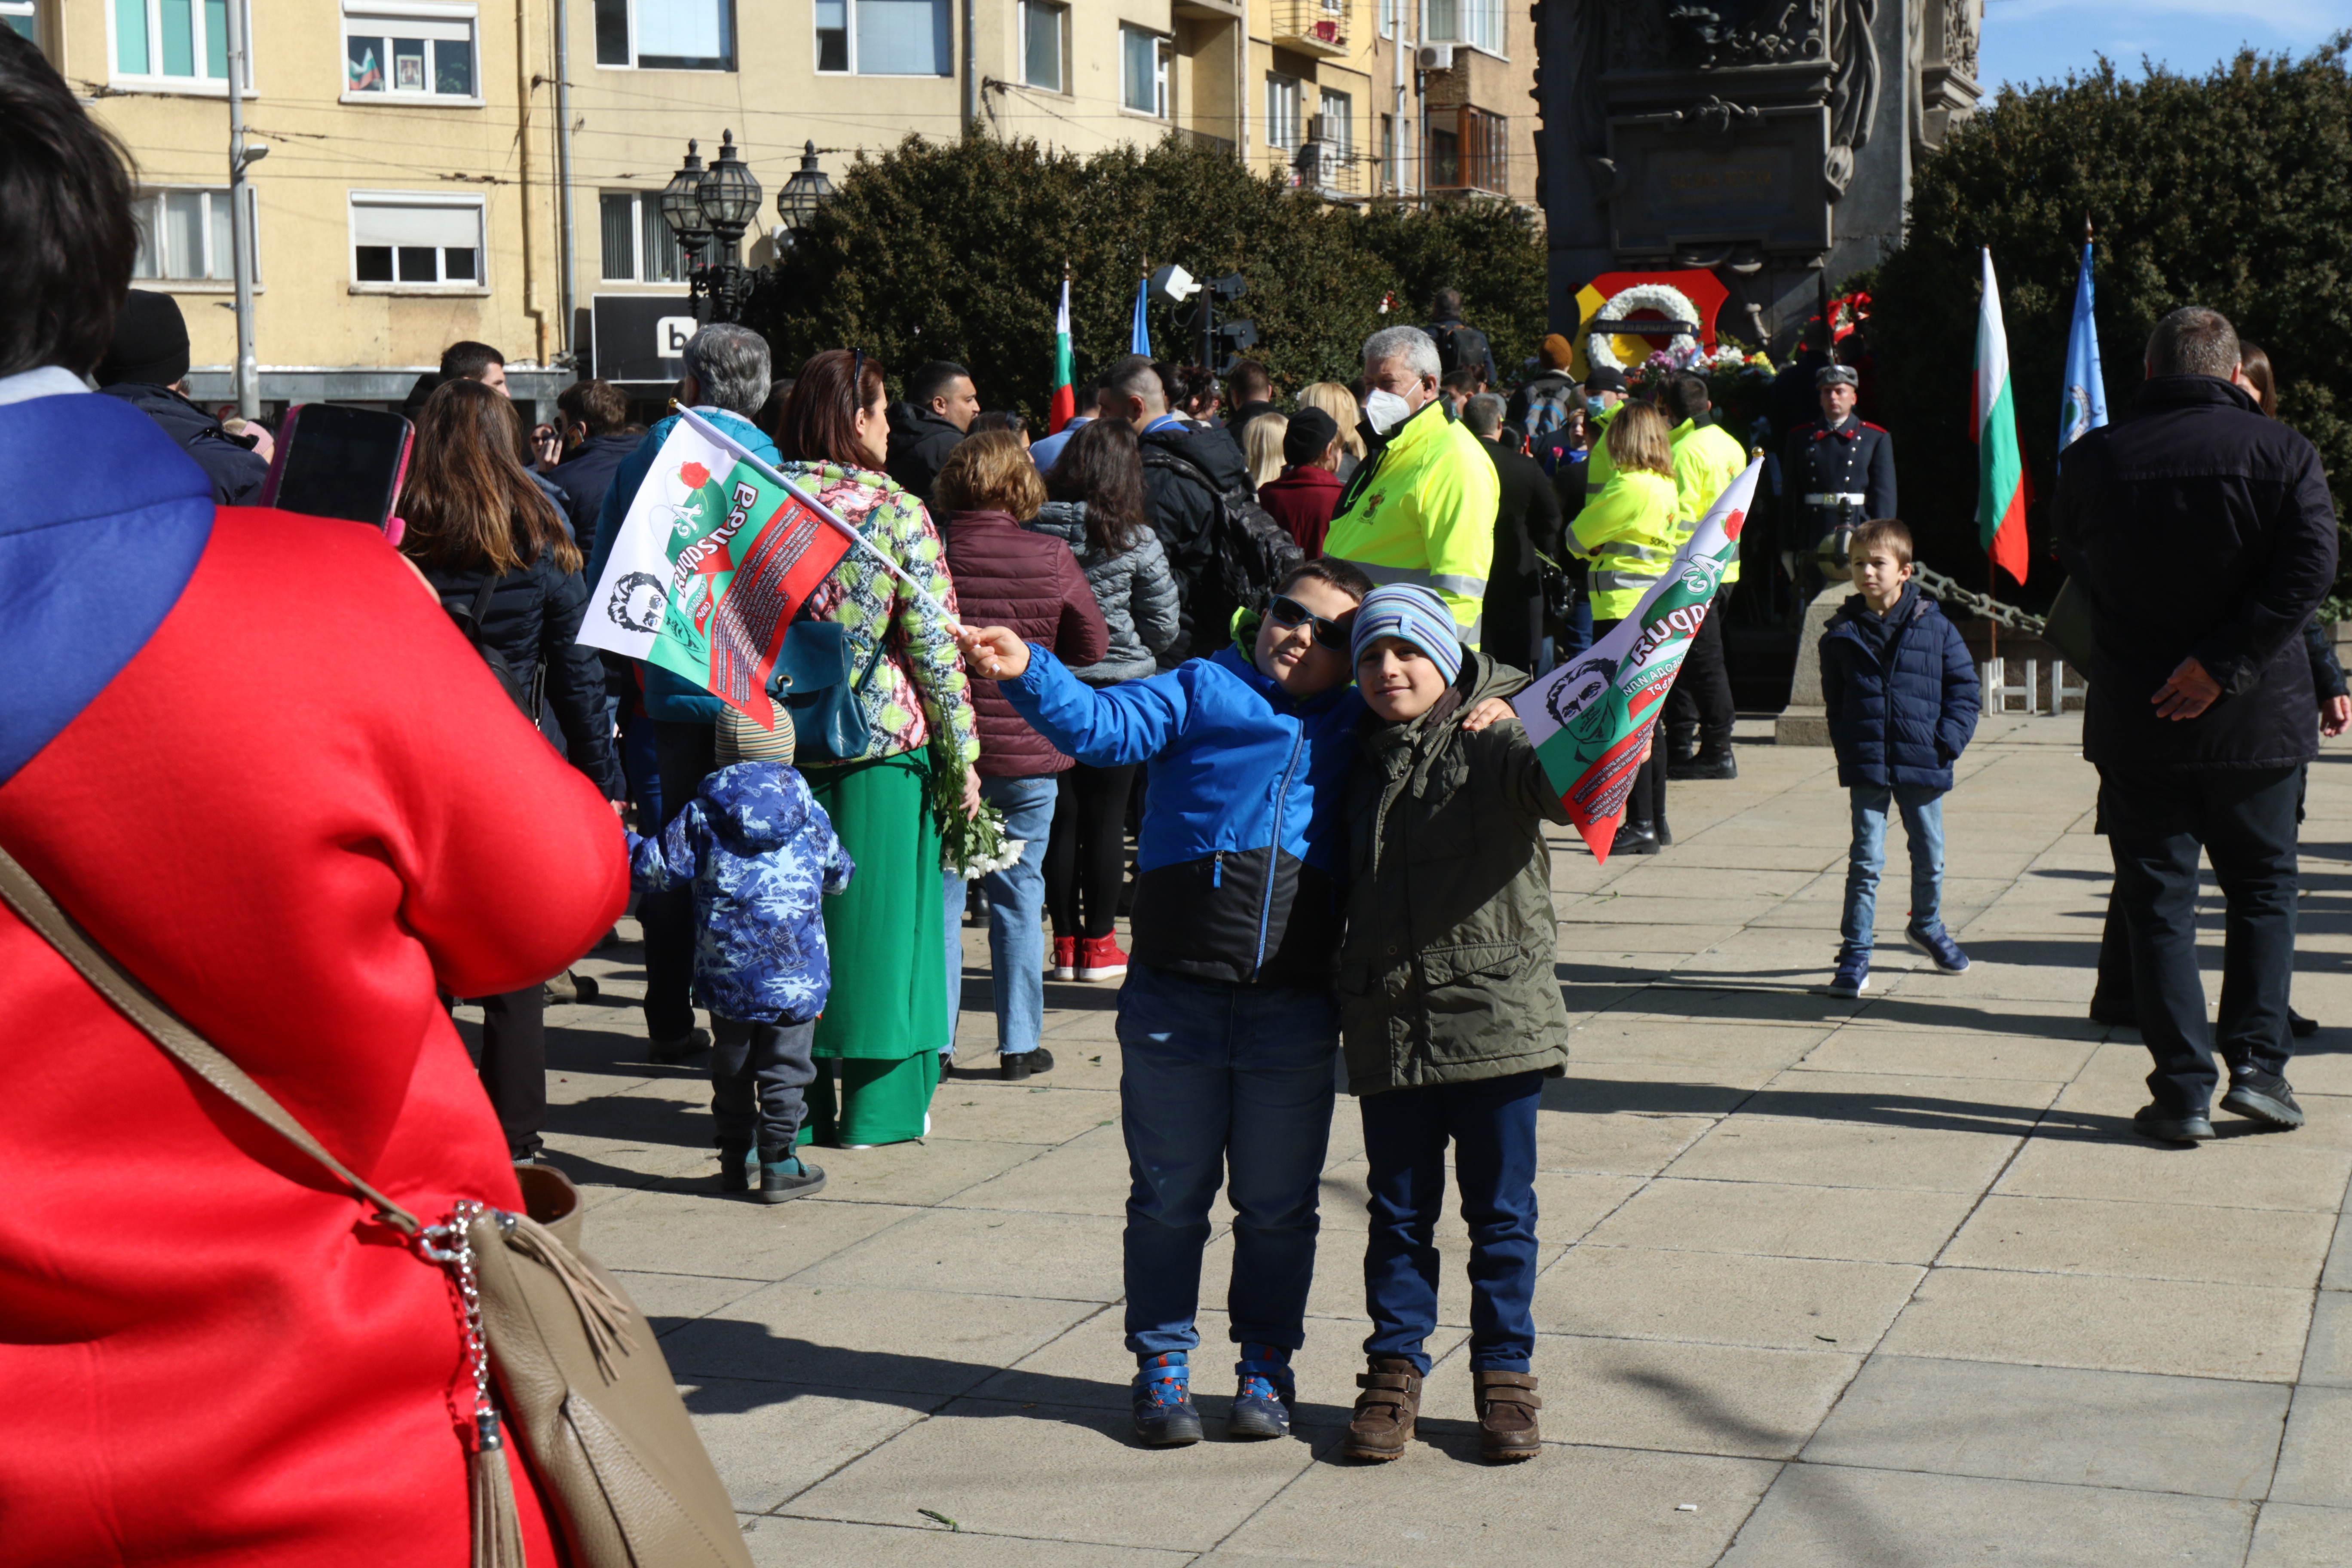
251, 756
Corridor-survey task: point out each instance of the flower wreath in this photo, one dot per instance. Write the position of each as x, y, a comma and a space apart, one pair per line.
1599, 349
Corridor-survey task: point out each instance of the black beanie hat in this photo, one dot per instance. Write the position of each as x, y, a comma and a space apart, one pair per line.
1606, 378
1311, 435
150, 342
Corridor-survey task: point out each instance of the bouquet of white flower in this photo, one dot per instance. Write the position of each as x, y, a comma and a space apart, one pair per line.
971, 846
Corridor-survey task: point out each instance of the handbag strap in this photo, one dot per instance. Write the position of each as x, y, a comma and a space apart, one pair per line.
26, 895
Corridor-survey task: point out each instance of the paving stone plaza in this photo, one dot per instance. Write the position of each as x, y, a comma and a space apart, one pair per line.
1880, 1282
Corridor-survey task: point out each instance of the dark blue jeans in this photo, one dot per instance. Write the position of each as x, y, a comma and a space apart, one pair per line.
1492, 1125
1223, 1085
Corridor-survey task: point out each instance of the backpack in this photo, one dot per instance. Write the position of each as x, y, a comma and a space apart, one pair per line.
524, 687
1546, 410
1449, 356
1248, 550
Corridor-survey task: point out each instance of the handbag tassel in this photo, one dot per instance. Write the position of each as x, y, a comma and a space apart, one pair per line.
604, 1314
498, 1533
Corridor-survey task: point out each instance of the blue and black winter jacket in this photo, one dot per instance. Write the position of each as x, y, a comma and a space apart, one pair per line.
1901, 692
1242, 848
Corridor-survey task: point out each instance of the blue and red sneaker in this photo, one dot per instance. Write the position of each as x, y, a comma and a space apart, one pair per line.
1262, 1404
1165, 1416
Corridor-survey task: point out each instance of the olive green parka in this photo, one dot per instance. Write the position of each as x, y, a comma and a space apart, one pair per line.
1446, 976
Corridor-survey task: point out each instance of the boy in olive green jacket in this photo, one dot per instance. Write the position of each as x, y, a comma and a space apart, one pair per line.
1450, 1013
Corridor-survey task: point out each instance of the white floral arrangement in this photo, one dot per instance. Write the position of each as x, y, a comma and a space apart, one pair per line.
1669, 302
971, 846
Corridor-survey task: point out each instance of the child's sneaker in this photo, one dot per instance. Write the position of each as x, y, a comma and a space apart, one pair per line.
1262, 1404
1165, 1416
1065, 958
1101, 958
1938, 944
1853, 977
783, 1176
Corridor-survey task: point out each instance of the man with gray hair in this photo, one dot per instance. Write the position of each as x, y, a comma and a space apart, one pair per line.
1420, 507
1527, 520
2202, 535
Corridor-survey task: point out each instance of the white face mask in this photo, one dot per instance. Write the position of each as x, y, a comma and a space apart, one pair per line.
1384, 411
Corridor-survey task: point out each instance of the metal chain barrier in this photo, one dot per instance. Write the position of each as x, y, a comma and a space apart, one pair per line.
1943, 588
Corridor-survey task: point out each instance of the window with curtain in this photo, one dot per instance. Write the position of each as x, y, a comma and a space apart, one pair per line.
1041, 44
637, 245
883, 38
175, 40
1478, 23
183, 235
1338, 112
415, 244
666, 35
426, 54
1281, 111
1143, 72
1469, 149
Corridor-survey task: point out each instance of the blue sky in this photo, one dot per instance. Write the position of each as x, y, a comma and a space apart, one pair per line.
2028, 40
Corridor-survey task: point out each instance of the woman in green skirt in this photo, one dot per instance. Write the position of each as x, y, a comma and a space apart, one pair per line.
886, 1020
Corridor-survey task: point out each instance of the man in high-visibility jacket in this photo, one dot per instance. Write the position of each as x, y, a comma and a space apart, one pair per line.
1707, 457
1422, 507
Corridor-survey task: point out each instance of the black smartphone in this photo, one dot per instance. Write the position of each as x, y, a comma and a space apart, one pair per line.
333, 461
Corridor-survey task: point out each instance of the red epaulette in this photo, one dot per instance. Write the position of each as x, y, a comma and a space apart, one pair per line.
1868, 426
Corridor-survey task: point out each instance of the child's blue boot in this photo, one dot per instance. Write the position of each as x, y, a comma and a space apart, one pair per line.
1165, 1416
1262, 1406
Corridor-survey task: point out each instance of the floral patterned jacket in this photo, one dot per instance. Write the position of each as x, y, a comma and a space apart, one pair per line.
919, 691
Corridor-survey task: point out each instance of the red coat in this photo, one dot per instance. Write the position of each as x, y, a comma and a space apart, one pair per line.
1031, 584
296, 807
1302, 499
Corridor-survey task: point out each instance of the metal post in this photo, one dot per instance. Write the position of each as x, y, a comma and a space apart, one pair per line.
970, 65
240, 244
564, 268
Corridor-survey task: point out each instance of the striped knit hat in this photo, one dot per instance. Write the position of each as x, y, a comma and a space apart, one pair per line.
1414, 614
740, 739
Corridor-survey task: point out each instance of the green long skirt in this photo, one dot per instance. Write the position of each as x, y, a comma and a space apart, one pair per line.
886, 1019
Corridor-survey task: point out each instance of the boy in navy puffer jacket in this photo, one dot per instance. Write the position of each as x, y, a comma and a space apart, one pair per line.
1902, 699
757, 850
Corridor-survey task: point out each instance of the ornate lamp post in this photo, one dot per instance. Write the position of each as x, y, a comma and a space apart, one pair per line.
681, 209
804, 192
730, 199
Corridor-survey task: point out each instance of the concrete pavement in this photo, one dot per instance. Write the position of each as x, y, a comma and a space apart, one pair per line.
1882, 1282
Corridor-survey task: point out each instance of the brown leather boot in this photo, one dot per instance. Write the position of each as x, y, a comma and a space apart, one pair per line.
1385, 1411
1506, 1406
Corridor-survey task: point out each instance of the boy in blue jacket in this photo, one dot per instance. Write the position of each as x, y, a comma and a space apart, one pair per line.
1902, 699
757, 851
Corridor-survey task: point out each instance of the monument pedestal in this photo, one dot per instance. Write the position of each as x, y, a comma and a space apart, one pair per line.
1805, 722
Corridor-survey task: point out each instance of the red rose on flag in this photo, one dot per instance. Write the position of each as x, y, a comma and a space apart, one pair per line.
693, 476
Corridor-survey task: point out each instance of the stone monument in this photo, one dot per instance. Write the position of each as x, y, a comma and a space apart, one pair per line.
1761, 139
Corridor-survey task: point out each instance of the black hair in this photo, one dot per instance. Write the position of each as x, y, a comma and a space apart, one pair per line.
1102, 466
936, 379
1250, 382
69, 240
468, 361
1686, 396
1344, 576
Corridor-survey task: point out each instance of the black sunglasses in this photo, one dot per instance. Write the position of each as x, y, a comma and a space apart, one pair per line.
1286, 611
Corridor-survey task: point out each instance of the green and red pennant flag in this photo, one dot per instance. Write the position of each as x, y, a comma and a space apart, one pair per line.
1064, 403
2001, 481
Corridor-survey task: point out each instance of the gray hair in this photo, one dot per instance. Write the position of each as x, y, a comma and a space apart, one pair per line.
730, 367
1410, 344
2193, 340
1484, 414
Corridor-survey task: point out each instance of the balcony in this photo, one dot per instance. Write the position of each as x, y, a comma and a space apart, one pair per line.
1311, 26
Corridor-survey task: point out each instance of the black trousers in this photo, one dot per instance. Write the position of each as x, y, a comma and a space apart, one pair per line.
1086, 854
1510, 628
514, 1065
1700, 702
2244, 820
686, 754
1645, 805
758, 1075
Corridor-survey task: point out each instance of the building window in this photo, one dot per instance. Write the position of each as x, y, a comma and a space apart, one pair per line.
1478, 23
410, 241
1469, 149
1041, 44
638, 246
1335, 124
183, 235
1144, 71
1389, 171
666, 35
1390, 11
175, 41
885, 37
23, 16
1281, 111
409, 51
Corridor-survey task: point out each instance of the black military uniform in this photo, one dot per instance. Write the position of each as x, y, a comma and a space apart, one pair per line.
1833, 474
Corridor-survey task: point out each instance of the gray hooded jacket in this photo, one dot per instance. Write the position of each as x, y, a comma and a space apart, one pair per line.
1135, 588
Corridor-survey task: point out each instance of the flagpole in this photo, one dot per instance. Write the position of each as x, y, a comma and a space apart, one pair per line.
711, 433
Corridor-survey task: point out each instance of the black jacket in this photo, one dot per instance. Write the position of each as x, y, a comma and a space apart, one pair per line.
234, 468
1460, 347
1184, 512
2198, 527
1237, 422
1526, 518
1853, 457
920, 444
534, 616
586, 477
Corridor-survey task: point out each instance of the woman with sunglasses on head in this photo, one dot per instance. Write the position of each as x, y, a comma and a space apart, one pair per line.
886, 1019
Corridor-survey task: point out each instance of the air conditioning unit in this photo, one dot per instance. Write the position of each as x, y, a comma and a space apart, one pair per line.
1435, 57
1318, 127
1316, 164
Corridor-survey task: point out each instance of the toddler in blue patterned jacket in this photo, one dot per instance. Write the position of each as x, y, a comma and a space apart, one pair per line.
757, 851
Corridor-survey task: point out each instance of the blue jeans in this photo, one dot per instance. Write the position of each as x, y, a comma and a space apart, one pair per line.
1923, 826
1492, 1126
1016, 906
1223, 1082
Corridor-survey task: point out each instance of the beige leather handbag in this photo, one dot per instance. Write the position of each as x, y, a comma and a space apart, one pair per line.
577, 1373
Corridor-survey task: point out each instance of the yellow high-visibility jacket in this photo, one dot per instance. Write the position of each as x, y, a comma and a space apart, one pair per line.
1426, 514
1598, 467
1627, 531
1707, 457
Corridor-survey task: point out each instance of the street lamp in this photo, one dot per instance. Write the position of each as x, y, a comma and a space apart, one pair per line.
805, 191
681, 209
728, 199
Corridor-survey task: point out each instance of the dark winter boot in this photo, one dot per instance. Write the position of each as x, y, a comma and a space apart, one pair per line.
1507, 1406
1713, 761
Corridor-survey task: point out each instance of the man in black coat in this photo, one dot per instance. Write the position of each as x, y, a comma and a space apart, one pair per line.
147, 367
593, 413
2202, 535
1526, 518
939, 406
1249, 393
1185, 469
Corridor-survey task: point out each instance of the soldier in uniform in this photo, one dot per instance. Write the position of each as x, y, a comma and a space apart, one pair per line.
1839, 470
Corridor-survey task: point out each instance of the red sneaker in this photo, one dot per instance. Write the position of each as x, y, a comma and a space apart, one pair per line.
1065, 958
1099, 958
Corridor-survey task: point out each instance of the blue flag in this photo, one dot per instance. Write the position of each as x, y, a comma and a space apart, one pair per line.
2086, 391
1139, 337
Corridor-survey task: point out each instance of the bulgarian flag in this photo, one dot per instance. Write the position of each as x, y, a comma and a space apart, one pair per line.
1992, 426
1064, 402
1591, 720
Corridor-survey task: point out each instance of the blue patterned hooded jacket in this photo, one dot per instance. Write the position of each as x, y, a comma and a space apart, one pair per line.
757, 850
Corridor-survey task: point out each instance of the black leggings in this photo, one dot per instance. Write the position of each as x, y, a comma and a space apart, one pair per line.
1086, 857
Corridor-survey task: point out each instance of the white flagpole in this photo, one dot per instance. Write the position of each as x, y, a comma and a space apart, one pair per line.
713, 434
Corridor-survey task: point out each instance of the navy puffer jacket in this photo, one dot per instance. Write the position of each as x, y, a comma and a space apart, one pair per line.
1901, 692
